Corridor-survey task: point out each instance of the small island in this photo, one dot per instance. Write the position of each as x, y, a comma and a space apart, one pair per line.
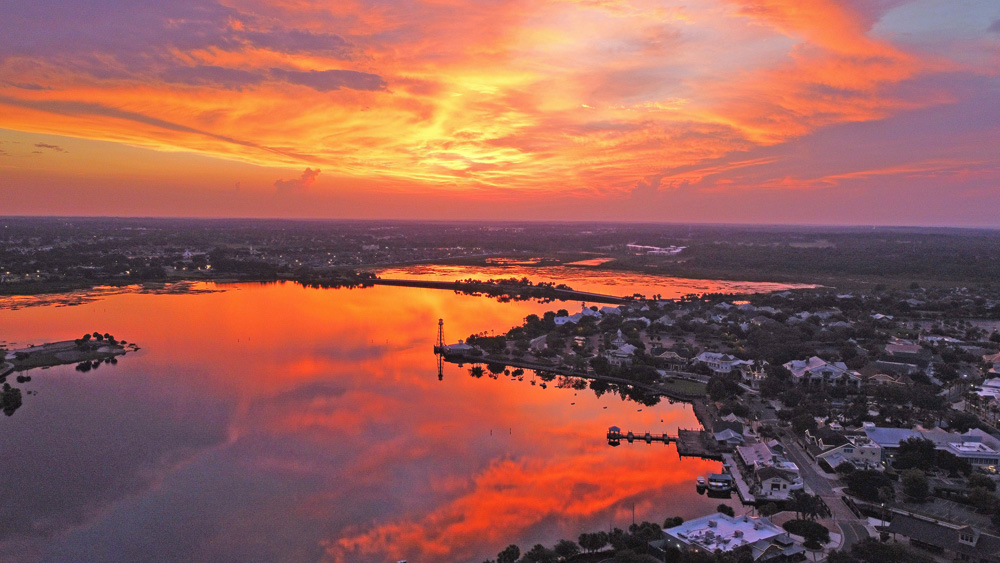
88, 352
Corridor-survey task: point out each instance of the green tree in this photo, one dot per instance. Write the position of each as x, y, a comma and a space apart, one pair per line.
769, 509
982, 480
915, 484
865, 484
510, 554
566, 549
915, 453
539, 554
672, 522
983, 499
725, 509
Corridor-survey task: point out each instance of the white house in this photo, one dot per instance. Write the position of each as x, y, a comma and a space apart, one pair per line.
719, 363
819, 373
774, 484
859, 451
773, 475
720, 532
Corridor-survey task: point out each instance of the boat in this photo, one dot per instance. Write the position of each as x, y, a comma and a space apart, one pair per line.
720, 482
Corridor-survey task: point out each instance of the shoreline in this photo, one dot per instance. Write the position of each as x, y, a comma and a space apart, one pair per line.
690, 443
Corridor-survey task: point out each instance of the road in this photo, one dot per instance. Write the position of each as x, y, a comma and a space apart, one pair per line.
851, 527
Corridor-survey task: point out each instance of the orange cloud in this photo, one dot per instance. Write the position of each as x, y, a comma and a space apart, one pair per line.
435, 95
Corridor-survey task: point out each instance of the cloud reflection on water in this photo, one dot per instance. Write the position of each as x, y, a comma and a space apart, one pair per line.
281, 423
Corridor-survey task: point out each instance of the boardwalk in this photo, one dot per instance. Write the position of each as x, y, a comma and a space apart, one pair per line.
742, 487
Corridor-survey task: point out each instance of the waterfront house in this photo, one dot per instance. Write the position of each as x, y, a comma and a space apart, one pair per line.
723, 533
774, 484
774, 477
729, 433
460, 348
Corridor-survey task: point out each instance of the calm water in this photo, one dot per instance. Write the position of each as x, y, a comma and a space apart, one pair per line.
608, 282
277, 423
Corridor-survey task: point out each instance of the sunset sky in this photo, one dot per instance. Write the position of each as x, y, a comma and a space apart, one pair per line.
774, 111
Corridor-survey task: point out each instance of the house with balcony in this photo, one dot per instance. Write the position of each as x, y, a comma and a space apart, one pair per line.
719, 363
817, 372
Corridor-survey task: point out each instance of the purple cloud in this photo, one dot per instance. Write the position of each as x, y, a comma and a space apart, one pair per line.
307, 179
56, 148
212, 75
328, 80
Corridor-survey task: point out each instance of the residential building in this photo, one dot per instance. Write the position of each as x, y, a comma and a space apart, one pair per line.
719, 363
728, 433
621, 352
817, 372
772, 475
888, 439
978, 448
954, 542
672, 361
720, 532
859, 451
774, 484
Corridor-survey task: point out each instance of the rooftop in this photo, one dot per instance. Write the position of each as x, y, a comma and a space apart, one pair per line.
890, 437
722, 532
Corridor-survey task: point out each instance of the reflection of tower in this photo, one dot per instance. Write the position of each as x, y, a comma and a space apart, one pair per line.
440, 349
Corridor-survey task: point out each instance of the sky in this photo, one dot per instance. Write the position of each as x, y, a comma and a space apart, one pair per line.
735, 111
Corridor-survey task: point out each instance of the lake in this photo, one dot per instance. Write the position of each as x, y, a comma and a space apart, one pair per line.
271, 422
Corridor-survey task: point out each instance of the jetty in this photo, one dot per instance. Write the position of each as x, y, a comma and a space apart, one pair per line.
615, 437
690, 443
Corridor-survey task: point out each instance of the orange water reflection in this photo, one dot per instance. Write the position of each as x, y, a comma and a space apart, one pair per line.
597, 281
273, 422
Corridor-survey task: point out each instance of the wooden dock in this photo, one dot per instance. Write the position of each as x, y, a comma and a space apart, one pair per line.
616, 436
690, 443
